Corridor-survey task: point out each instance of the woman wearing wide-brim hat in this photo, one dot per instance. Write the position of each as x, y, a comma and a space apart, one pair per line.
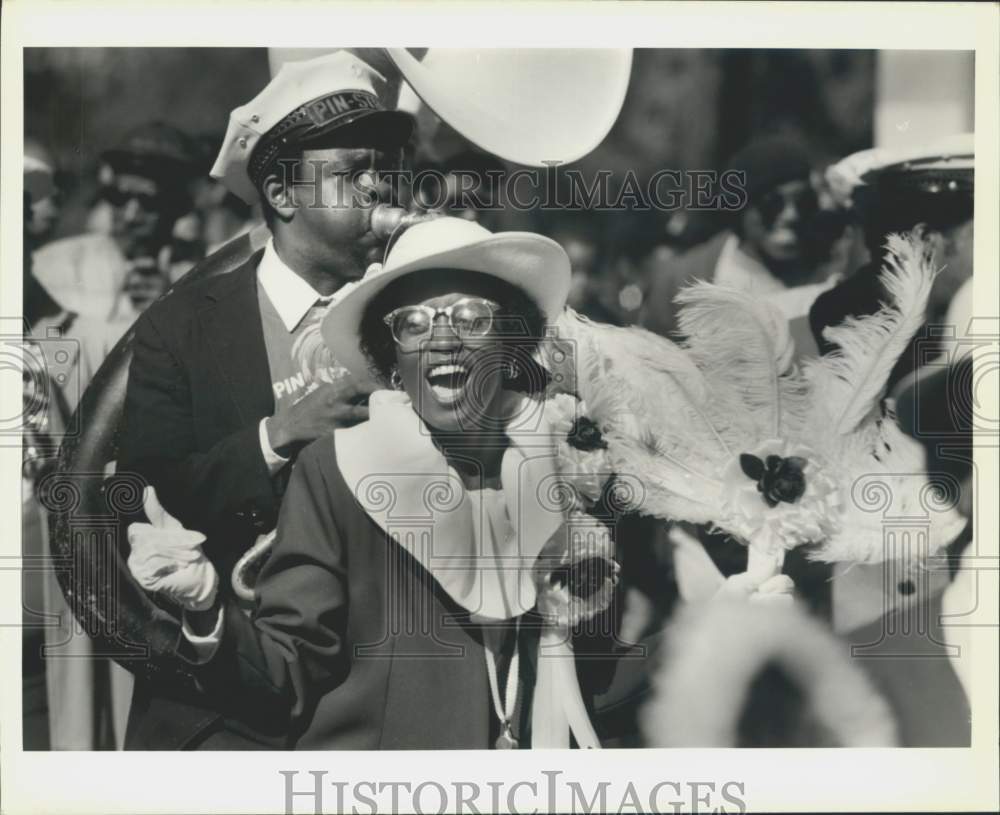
399, 607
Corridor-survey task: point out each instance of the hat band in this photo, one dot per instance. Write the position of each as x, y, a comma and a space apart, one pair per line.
307, 121
928, 181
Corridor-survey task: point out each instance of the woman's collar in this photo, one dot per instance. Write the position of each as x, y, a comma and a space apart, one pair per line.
406, 486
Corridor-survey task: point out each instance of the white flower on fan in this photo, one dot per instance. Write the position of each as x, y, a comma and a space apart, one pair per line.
791, 496
561, 411
575, 573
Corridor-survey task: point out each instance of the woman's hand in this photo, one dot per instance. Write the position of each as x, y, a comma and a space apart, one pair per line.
167, 558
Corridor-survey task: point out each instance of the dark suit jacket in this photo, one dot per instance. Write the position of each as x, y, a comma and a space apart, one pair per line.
353, 645
198, 386
859, 295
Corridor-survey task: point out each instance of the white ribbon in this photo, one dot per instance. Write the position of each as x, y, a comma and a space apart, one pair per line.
557, 707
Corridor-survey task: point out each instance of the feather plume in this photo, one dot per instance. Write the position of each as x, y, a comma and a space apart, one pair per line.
745, 351
848, 383
653, 408
883, 478
675, 417
655, 383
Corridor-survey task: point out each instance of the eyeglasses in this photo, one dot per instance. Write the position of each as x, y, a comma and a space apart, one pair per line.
119, 198
469, 318
771, 205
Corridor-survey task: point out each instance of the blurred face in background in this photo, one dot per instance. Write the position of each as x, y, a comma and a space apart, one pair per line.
774, 224
144, 283
139, 210
41, 218
583, 262
42, 206
953, 255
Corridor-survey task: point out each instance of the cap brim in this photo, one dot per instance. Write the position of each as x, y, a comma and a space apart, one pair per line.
532, 263
394, 126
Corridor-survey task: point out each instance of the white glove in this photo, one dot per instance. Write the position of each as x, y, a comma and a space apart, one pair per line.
698, 578
776, 589
167, 558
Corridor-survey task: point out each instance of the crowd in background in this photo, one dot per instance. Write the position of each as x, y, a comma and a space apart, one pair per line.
157, 212
685, 110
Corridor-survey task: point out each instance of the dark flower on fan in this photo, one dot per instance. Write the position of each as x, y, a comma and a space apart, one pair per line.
778, 479
586, 435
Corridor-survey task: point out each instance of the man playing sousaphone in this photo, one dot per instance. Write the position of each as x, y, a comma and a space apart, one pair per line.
217, 404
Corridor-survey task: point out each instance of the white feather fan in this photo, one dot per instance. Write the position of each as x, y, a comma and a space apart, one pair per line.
680, 416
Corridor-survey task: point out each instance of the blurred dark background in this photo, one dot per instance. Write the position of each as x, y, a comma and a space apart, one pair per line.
685, 108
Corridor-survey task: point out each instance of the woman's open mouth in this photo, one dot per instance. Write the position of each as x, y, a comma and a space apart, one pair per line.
447, 382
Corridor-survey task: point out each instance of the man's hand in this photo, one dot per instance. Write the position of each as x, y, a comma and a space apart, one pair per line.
167, 558
340, 404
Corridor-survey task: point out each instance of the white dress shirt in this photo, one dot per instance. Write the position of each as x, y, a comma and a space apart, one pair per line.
292, 296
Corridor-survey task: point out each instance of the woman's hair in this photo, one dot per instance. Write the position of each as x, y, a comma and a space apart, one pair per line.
519, 321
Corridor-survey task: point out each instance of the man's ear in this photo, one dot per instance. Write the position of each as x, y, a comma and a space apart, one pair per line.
278, 196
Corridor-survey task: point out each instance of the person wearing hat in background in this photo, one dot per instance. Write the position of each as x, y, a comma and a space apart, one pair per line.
221, 215
73, 700
366, 633
217, 404
769, 248
147, 194
45, 202
930, 187
927, 679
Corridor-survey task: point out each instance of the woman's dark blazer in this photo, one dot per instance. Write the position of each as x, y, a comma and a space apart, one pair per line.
353, 645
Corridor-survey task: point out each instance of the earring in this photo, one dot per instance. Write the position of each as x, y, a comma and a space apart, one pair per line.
395, 380
512, 371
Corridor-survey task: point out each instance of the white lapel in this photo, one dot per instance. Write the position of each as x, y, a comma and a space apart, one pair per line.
479, 545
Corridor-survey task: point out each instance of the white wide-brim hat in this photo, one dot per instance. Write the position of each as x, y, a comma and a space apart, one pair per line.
536, 265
